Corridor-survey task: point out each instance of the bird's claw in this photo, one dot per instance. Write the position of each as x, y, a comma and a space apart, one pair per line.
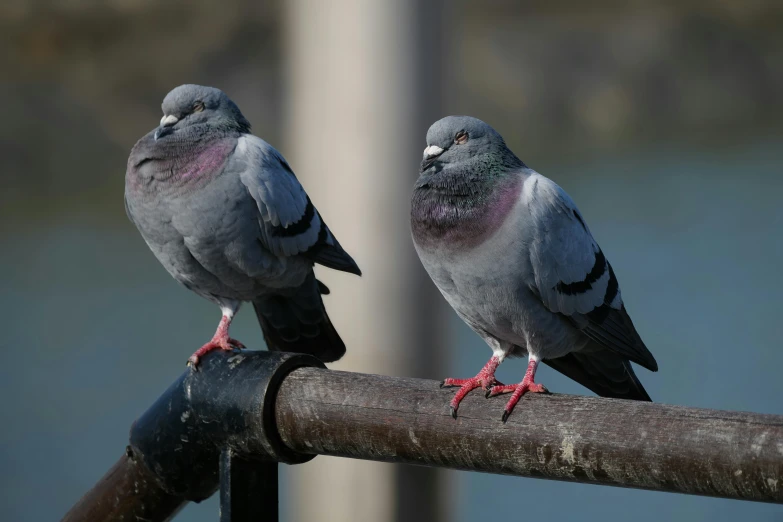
496, 388
483, 380
232, 344
226, 344
518, 390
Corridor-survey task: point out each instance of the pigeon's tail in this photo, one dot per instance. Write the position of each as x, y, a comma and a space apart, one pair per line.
297, 322
602, 371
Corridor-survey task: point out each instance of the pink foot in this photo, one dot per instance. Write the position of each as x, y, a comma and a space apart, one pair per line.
220, 341
228, 344
518, 390
485, 379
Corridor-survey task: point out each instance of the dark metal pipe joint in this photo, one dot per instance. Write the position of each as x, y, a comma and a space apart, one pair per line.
228, 405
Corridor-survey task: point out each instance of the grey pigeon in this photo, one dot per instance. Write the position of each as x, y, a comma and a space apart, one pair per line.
225, 215
513, 256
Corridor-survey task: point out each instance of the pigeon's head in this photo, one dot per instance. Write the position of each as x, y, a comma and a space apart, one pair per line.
456, 139
189, 105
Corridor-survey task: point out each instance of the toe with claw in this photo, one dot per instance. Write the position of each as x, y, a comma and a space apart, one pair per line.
220, 341
518, 390
485, 379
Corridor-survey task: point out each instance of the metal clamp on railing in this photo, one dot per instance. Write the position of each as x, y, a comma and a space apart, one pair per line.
212, 427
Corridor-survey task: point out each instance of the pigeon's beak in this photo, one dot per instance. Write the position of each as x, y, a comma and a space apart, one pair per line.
431, 153
166, 123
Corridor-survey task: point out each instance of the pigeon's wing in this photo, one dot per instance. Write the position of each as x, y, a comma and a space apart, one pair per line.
572, 276
290, 224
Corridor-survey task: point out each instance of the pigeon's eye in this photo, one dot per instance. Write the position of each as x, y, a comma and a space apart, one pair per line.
461, 137
198, 106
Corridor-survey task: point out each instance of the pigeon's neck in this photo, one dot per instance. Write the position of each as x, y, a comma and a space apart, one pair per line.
178, 161
459, 209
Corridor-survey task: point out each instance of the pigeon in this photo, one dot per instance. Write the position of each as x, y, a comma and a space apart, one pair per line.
223, 212
512, 254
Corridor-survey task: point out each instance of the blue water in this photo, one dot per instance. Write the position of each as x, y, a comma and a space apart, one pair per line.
94, 330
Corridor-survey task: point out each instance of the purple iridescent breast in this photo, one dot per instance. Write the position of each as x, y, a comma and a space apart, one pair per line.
207, 160
442, 221
153, 165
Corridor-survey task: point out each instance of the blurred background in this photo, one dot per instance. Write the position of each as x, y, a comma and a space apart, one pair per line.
663, 122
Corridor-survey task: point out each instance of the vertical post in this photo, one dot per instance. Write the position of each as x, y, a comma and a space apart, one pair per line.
360, 98
248, 490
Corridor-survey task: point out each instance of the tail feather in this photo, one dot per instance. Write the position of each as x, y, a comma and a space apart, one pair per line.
602, 371
297, 322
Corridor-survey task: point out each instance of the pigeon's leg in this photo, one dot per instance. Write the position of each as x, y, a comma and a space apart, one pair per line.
219, 341
527, 385
485, 379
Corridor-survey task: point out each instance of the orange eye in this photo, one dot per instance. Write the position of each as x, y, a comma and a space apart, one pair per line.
198, 106
461, 137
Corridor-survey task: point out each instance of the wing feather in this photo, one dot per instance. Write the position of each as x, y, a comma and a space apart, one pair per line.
573, 277
289, 223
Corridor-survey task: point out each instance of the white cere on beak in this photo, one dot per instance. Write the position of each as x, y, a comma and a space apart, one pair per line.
168, 120
432, 151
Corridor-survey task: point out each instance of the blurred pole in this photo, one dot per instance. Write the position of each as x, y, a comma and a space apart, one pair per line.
363, 85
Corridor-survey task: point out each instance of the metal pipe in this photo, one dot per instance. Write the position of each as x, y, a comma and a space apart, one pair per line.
211, 427
128, 492
248, 490
231, 422
631, 444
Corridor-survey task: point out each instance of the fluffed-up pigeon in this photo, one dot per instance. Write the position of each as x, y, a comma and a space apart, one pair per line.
223, 212
513, 256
